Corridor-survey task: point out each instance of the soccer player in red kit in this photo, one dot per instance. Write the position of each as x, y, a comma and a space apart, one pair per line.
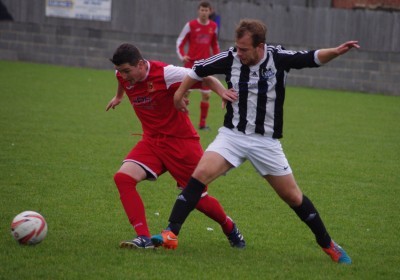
169, 143
201, 36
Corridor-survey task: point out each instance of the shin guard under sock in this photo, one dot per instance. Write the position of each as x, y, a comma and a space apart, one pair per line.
310, 216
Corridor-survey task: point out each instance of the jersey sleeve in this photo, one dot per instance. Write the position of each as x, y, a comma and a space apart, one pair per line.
181, 41
174, 75
216, 64
287, 59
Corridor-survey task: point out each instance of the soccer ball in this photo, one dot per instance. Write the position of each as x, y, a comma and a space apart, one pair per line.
29, 228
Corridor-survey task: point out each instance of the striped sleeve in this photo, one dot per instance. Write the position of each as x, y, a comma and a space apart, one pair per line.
287, 59
216, 64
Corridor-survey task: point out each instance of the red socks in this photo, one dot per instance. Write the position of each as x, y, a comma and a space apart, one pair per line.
211, 207
203, 113
134, 208
132, 203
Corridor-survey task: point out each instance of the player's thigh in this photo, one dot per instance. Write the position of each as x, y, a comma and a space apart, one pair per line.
211, 166
286, 187
134, 170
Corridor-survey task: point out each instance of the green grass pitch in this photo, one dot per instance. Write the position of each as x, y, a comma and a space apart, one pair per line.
59, 150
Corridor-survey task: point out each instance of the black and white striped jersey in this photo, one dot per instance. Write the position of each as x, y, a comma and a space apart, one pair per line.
261, 87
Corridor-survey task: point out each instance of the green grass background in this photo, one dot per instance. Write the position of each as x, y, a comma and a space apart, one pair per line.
59, 150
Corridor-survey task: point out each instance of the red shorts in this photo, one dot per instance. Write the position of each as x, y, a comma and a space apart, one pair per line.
178, 156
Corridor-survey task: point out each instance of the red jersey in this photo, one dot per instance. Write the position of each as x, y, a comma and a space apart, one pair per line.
201, 39
152, 100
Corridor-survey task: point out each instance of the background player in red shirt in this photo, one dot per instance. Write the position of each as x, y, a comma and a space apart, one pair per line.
169, 143
201, 36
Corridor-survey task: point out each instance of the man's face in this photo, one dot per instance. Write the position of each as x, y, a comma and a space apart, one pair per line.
131, 73
204, 13
248, 54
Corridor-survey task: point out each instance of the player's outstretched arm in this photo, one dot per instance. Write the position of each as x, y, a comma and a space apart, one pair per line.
116, 100
326, 55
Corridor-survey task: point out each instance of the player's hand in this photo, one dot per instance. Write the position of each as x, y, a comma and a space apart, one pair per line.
181, 103
326, 55
186, 58
228, 95
186, 100
114, 102
345, 47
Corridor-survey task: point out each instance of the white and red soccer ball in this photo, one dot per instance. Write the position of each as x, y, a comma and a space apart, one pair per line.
29, 228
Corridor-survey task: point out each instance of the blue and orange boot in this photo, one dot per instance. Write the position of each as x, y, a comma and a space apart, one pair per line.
337, 253
167, 239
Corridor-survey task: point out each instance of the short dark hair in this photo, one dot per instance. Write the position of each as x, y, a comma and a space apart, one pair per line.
126, 53
204, 4
256, 28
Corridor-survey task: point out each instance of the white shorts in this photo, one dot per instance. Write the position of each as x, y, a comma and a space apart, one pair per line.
264, 153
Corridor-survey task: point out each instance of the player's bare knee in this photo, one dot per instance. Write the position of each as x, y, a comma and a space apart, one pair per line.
293, 198
205, 96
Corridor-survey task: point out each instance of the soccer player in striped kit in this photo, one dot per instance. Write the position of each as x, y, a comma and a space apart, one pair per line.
169, 143
201, 36
253, 122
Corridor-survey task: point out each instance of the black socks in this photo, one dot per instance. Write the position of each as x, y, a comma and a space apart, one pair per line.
309, 215
190, 196
185, 203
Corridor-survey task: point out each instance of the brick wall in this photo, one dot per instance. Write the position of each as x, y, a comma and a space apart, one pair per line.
367, 4
75, 46
375, 68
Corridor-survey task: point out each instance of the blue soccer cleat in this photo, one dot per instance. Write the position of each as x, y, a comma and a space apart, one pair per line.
140, 242
236, 238
337, 253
